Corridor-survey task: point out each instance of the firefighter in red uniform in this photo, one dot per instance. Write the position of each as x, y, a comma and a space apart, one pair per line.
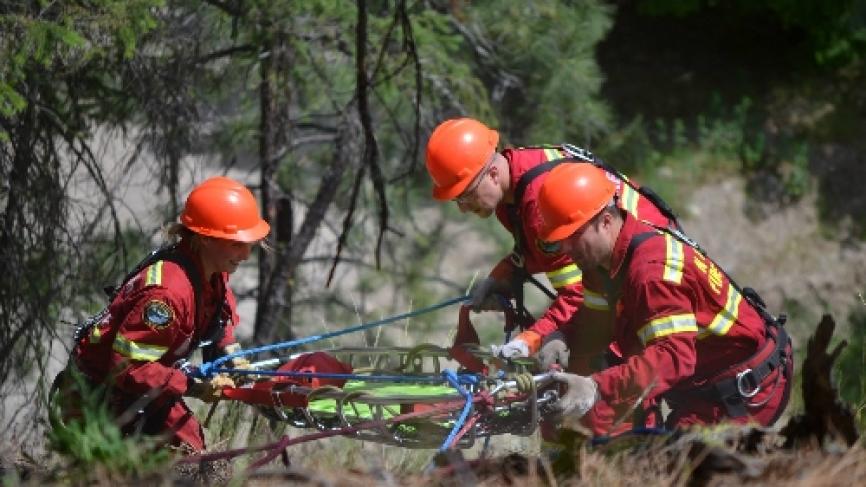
465, 167
689, 335
174, 302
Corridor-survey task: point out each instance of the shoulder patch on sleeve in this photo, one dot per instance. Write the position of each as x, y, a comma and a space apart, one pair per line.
157, 314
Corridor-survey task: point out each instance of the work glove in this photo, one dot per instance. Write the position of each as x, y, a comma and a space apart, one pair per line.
580, 397
487, 295
209, 391
241, 363
513, 349
553, 351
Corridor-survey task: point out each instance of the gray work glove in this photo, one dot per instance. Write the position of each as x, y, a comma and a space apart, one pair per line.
581, 396
553, 351
514, 349
483, 295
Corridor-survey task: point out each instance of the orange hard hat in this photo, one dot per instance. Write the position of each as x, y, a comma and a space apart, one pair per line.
224, 208
457, 151
571, 195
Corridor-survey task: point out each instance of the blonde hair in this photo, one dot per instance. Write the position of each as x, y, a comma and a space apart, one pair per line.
175, 232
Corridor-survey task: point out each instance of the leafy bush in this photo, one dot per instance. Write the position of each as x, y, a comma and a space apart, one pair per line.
93, 446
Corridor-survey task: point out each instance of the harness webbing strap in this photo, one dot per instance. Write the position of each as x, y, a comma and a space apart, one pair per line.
215, 329
576, 155
730, 391
732, 386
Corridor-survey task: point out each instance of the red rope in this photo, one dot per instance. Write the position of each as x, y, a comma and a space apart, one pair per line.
284, 442
485, 402
466, 427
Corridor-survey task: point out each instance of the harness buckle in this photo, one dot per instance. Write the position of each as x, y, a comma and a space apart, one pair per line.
742, 387
186, 367
517, 259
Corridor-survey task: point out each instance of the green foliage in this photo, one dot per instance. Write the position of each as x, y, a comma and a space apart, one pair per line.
673, 156
64, 38
836, 30
94, 447
548, 46
851, 363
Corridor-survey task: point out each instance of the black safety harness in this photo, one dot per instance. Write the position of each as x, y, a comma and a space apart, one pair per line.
521, 275
214, 332
745, 380
737, 384
150, 414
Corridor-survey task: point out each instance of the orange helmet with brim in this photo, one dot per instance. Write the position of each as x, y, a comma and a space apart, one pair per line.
456, 152
224, 208
571, 195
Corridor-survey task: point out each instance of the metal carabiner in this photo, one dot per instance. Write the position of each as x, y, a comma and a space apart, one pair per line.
579, 152
517, 259
742, 390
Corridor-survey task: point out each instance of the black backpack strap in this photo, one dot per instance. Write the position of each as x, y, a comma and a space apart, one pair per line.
614, 286
748, 293
215, 328
579, 154
530, 175
163, 253
169, 253
520, 244
576, 155
732, 392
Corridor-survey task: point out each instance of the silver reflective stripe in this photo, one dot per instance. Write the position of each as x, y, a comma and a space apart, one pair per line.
629, 199
726, 318
138, 351
564, 276
667, 325
674, 259
596, 301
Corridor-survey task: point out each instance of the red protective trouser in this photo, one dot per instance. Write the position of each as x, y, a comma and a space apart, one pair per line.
175, 421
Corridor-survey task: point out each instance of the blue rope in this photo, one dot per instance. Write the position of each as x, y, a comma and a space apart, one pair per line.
207, 369
455, 381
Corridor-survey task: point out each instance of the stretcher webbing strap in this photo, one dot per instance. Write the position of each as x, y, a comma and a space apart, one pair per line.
285, 441
265, 397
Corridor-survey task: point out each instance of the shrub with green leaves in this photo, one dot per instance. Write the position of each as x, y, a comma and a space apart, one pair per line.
93, 447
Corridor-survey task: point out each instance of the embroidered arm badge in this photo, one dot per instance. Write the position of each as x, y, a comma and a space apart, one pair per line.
157, 314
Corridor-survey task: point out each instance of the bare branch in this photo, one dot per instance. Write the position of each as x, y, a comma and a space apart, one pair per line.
371, 150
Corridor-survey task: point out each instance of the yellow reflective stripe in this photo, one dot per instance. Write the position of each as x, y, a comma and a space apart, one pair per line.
629, 199
674, 259
565, 276
667, 325
552, 154
95, 335
596, 301
154, 274
726, 318
138, 351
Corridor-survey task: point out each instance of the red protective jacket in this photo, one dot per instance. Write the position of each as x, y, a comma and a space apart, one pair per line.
574, 288
681, 324
151, 323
